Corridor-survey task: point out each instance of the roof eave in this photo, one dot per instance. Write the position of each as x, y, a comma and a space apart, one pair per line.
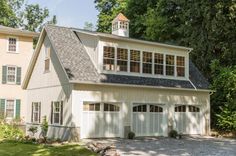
20, 33
138, 86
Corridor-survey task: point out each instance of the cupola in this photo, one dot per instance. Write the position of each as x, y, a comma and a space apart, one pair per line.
120, 26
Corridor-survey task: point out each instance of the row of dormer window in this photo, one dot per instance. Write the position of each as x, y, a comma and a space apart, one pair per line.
136, 61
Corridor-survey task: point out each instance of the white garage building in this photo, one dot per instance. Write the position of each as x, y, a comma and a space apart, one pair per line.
92, 85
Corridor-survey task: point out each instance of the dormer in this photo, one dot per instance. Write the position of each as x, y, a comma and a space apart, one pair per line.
120, 26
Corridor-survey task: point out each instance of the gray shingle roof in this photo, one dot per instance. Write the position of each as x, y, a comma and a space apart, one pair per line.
79, 66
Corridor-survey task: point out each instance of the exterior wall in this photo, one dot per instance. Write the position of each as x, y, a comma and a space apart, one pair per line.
20, 59
142, 47
91, 45
46, 87
126, 96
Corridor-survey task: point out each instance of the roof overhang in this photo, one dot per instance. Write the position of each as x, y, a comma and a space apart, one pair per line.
18, 32
33, 59
127, 39
140, 86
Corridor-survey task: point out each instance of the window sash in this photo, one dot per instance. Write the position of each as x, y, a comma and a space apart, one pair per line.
12, 44
180, 67
11, 74
36, 112
10, 109
108, 58
56, 112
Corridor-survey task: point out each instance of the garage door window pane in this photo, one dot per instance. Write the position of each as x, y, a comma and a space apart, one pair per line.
111, 108
140, 108
193, 109
180, 109
155, 108
91, 107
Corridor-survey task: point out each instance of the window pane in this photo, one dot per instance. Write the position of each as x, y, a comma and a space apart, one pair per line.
111, 107
47, 64
140, 108
108, 58
147, 68
135, 67
147, 57
170, 59
180, 108
10, 109
170, 70
159, 58
158, 69
122, 54
121, 65
57, 118
12, 44
134, 55
155, 108
180, 61
181, 71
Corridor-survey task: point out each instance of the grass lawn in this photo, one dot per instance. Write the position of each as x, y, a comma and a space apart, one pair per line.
20, 149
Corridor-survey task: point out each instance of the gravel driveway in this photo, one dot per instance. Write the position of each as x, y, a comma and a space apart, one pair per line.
197, 146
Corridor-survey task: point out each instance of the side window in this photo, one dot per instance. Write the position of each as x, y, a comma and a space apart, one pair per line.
147, 62
159, 63
108, 58
170, 65
47, 59
10, 105
180, 68
36, 110
134, 61
57, 112
12, 44
122, 60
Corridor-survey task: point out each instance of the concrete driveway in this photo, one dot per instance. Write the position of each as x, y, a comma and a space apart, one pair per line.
199, 146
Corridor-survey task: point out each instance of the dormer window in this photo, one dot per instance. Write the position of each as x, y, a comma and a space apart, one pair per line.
170, 65
122, 59
108, 58
159, 63
180, 66
12, 44
147, 62
134, 61
115, 26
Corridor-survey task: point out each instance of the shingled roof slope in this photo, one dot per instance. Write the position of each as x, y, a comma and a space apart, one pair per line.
79, 67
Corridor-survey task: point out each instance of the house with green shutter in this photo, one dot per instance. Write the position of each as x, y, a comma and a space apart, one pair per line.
16, 50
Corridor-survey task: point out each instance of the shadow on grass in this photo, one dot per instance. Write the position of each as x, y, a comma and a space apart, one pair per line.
12, 148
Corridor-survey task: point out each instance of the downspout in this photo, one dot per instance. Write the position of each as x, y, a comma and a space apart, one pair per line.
192, 84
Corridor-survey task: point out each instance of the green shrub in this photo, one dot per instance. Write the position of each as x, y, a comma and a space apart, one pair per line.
33, 130
173, 134
44, 128
11, 132
131, 135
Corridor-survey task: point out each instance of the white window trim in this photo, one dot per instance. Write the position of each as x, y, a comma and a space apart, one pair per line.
57, 112
14, 115
17, 45
35, 111
153, 75
15, 74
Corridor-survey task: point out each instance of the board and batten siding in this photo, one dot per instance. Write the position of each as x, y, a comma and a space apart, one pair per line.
46, 87
126, 96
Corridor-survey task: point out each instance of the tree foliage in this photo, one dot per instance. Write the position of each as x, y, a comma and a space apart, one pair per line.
16, 13
206, 26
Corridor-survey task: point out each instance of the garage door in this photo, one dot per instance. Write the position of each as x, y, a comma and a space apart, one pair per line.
187, 119
100, 120
149, 120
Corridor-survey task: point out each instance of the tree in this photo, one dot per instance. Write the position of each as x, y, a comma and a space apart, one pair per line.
108, 10
16, 13
88, 26
7, 15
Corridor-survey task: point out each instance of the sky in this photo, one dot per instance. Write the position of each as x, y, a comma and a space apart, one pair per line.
71, 13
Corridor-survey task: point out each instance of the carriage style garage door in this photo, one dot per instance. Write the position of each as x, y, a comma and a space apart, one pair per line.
149, 120
187, 119
100, 120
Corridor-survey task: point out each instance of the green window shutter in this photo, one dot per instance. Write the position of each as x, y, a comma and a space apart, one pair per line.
17, 115
51, 113
4, 74
18, 77
2, 108
61, 123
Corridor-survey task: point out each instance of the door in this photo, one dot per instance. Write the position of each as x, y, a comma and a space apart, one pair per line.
149, 120
187, 119
100, 120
